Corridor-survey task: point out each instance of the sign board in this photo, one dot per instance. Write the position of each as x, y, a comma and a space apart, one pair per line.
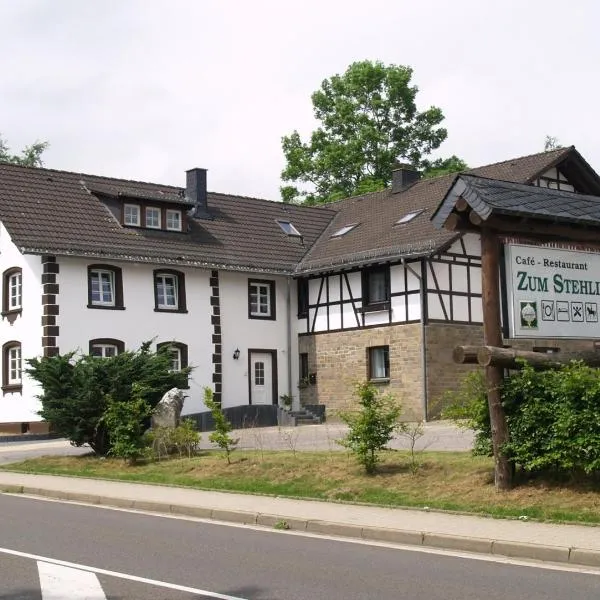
552, 293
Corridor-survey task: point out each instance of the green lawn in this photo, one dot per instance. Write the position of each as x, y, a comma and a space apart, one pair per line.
449, 481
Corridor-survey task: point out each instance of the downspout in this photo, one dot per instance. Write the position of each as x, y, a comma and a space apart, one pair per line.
289, 335
419, 276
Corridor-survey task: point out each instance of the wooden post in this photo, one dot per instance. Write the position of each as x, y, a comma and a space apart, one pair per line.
492, 334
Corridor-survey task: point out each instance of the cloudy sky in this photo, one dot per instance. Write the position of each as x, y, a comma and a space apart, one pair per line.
144, 89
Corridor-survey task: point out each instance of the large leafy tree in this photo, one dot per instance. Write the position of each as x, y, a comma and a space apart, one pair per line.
31, 156
369, 121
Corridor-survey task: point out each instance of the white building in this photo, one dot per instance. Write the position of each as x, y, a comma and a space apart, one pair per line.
262, 298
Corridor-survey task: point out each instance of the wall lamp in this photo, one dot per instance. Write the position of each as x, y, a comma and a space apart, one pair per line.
236, 354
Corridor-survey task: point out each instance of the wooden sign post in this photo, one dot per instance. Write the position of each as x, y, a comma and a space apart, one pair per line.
492, 335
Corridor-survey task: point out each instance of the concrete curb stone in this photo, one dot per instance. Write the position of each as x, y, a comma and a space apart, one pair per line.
556, 554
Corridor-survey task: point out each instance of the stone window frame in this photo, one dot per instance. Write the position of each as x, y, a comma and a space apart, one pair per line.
117, 282
9, 386
180, 295
119, 345
270, 284
370, 363
7, 277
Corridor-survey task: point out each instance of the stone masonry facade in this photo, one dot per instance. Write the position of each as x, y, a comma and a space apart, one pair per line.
443, 374
339, 360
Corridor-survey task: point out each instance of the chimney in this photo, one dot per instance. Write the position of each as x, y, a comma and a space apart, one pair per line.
195, 190
403, 176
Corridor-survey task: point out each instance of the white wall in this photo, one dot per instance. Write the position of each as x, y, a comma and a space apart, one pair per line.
138, 322
238, 331
27, 329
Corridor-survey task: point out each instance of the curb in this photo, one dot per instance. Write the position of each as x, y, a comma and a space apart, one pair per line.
558, 554
28, 437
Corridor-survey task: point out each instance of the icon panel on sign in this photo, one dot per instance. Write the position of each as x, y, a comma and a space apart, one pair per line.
591, 312
562, 311
548, 310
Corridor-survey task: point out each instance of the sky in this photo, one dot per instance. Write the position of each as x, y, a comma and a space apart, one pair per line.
145, 89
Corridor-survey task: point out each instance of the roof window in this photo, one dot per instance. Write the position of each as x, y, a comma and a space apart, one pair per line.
409, 217
288, 228
344, 230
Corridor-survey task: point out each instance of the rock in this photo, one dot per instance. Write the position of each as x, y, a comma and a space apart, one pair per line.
168, 410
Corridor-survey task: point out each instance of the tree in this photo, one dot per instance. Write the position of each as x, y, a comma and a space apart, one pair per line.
76, 392
369, 120
372, 426
31, 156
443, 166
220, 436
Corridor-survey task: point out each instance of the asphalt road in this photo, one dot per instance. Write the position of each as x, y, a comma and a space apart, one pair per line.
239, 562
18, 451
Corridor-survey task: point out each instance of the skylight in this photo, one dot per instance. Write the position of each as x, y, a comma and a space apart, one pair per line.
288, 228
344, 230
409, 217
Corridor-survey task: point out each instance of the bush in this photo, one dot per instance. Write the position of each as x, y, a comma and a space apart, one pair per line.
165, 441
220, 436
553, 418
125, 424
372, 426
75, 391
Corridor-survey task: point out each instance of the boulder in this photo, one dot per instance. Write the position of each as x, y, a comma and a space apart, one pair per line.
168, 410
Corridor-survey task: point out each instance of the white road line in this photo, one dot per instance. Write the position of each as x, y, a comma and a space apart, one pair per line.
56, 581
163, 584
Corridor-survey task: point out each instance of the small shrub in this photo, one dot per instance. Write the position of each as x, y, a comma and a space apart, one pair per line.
220, 436
125, 425
182, 440
372, 426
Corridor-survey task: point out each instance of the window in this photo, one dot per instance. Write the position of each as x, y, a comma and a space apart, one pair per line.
376, 288
379, 363
131, 215
174, 220
302, 297
11, 367
178, 352
169, 291
261, 299
105, 287
289, 229
259, 373
303, 367
409, 217
344, 230
13, 291
153, 217
106, 347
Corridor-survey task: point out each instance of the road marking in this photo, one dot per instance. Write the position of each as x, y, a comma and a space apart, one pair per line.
56, 580
495, 558
117, 575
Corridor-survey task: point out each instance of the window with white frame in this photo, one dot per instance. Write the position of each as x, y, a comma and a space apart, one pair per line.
166, 291
104, 350
379, 363
153, 219
261, 299
11, 367
15, 291
131, 215
174, 220
102, 287
106, 347
178, 353
175, 359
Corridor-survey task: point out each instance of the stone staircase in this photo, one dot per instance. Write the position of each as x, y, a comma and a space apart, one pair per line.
303, 416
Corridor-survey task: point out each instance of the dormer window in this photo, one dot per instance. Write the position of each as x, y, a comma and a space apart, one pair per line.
131, 215
289, 229
153, 220
174, 220
344, 230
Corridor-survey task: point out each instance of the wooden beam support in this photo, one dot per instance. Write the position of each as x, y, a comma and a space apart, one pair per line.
509, 358
461, 205
465, 355
475, 218
492, 335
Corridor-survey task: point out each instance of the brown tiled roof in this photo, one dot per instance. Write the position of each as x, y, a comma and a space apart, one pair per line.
63, 213
378, 238
54, 212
